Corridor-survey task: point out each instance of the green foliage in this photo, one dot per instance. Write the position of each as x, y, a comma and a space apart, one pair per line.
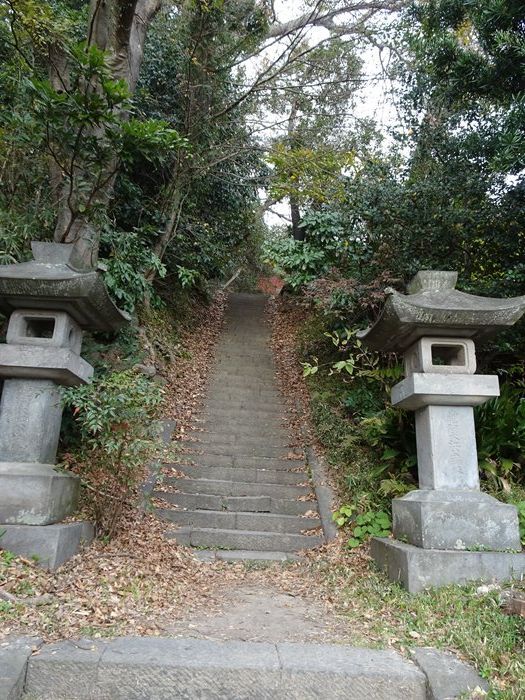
152, 140
187, 277
300, 262
501, 433
6, 556
114, 416
128, 259
364, 525
370, 524
308, 174
473, 54
80, 126
343, 515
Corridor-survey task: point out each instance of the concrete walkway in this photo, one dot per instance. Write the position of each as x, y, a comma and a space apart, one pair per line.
243, 493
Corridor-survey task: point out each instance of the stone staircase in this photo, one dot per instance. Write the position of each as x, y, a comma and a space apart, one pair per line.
240, 490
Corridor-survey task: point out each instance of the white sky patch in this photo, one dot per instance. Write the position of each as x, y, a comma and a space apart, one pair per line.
373, 100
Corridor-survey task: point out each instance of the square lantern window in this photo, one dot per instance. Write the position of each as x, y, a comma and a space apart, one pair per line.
38, 327
46, 328
441, 356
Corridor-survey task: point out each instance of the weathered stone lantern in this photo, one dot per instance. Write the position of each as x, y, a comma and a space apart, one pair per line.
447, 531
50, 304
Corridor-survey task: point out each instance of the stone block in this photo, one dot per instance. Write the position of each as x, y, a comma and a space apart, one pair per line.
455, 520
62, 365
163, 669
65, 670
44, 328
441, 356
418, 569
30, 419
14, 654
134, 669
322, 670
36, 494
420, 390
52, 545
446, 448
448, 677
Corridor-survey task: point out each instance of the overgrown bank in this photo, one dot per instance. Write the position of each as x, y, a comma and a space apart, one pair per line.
131, 580
370, 450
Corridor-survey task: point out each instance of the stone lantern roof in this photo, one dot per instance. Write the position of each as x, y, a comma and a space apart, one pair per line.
50, 282
433, 307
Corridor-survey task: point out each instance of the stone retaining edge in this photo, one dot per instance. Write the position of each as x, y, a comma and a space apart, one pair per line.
323, 493
125, 666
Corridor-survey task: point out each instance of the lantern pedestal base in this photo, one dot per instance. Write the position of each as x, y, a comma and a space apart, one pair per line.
49, 545
418, 569
36, 494
455, 519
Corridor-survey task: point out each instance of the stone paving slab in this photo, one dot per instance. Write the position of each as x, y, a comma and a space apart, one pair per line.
261, 476
265, 522
14, 654
239, 488
164, 669
243, 539
448, 676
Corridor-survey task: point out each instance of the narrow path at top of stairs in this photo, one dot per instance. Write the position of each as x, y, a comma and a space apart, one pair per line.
239, 491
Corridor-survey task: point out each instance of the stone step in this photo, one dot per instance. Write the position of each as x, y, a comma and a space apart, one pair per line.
232, 362
241, 367
259, 476
251, 504
246, 462
245, 371
238, 395
234, 353
239, 488
236, 450
257, 409
245, 428
265, 522
273, 438
244, 379
129, 668
216, 406
243, 539
247, 348
250, 555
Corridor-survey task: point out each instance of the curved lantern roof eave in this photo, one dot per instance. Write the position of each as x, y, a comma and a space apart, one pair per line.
57, 286
440, 311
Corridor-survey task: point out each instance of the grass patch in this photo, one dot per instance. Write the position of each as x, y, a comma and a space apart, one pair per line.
456, 618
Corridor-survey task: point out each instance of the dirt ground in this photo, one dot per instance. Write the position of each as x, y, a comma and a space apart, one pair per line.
262, 613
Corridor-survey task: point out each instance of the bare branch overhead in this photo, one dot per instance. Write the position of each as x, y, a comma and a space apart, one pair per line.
318, 18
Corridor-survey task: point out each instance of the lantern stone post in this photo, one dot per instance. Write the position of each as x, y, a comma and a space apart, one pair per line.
49, 304
448, 530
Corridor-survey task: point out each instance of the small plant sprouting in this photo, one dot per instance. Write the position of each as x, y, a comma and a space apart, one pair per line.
344, 515
369, 524
364, 526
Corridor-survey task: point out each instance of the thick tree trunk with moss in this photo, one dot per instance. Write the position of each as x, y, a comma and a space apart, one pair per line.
119, 28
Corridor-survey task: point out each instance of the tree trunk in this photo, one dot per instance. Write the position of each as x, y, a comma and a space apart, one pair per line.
119, 28
295, 213
297, 231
